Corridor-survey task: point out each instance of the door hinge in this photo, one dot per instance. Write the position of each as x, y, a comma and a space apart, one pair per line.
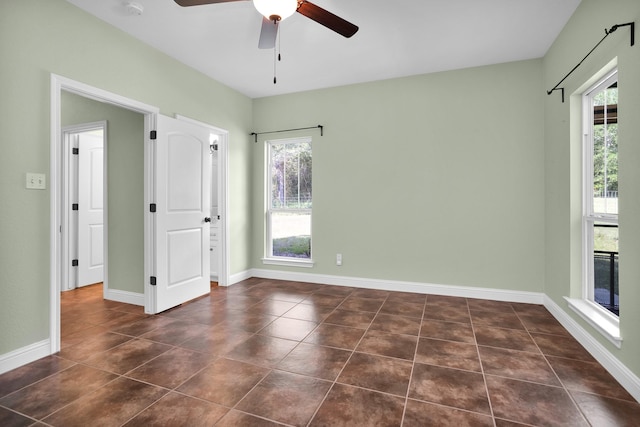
153, 135
152, 281
152, 207
74, 207
75, 151
74, 263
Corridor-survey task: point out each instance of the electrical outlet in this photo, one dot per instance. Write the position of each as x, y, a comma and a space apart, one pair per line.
36, 181
338, 259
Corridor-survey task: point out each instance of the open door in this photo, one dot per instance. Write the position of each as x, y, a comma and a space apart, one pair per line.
181, 200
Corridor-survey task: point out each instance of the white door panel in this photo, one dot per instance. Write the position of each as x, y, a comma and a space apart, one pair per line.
185, 177
182, 195
185, 259
90, 209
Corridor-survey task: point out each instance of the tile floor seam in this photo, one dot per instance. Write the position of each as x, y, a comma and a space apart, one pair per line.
175, 389
260, 417
43, 378
510, 349
482, 371
413, 363
79, 398
455, 408
560, 387
22, 414
144, 409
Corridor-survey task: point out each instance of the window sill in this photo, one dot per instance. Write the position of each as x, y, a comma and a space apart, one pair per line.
289, 262
607, 324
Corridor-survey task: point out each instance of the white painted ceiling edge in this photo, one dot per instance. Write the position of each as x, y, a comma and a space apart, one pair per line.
397, 38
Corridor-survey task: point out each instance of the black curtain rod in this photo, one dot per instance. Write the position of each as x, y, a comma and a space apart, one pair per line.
606, 34
255, 134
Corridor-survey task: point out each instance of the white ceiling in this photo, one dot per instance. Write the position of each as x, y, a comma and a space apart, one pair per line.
396, 38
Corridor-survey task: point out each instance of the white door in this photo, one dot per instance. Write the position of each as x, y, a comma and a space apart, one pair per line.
90, 209
182, 218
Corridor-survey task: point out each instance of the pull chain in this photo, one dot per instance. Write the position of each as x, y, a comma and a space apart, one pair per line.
274, 66
276, 55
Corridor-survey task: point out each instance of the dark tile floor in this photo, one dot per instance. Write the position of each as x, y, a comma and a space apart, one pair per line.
268, 353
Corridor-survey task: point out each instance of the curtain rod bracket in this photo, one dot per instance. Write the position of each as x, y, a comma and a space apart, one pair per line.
255, 134
606, 34
561, 89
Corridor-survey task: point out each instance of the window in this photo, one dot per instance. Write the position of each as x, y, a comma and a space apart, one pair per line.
600, 195
289, 201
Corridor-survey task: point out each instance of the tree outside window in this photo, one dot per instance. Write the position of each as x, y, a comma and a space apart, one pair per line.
289, 199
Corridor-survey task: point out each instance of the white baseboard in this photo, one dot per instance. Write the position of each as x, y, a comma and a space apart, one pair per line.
239, 277
124, 296
24, 355
617, 369
395, 285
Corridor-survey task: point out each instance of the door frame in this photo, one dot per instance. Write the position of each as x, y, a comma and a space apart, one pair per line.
67, 182
59, 84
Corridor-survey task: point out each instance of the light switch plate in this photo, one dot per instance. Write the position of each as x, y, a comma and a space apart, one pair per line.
36, 181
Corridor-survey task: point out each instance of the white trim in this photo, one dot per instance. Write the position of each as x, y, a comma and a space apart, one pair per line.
127, 297
617, 369
58, 84
239, 277
150, 121
269, 210
24, 355
400, 286
289, 262
600, 319
223, 197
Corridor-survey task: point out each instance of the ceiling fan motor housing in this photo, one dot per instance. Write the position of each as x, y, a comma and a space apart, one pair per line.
276, 10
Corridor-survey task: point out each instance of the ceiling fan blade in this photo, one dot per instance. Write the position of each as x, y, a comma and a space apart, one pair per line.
326, 18
185, 3
268, 34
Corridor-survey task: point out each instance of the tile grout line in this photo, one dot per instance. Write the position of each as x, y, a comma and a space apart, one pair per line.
484, 375
413, 363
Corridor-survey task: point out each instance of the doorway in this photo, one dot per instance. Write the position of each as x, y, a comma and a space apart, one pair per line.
150, 116
83, 176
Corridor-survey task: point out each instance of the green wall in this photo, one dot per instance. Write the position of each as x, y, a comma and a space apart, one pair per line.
434, 179
40, 37
125, 185
563, 163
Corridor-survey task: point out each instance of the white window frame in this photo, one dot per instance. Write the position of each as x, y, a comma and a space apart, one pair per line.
607, 323
269, 259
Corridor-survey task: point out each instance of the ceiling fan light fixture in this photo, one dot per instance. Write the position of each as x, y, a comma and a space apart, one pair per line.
276, 10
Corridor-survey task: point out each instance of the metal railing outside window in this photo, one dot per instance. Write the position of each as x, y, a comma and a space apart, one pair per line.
605, 277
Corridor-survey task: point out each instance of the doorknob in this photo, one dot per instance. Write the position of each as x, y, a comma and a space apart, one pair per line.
207, 219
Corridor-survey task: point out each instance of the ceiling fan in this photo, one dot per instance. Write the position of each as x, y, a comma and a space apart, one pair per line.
274, 11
